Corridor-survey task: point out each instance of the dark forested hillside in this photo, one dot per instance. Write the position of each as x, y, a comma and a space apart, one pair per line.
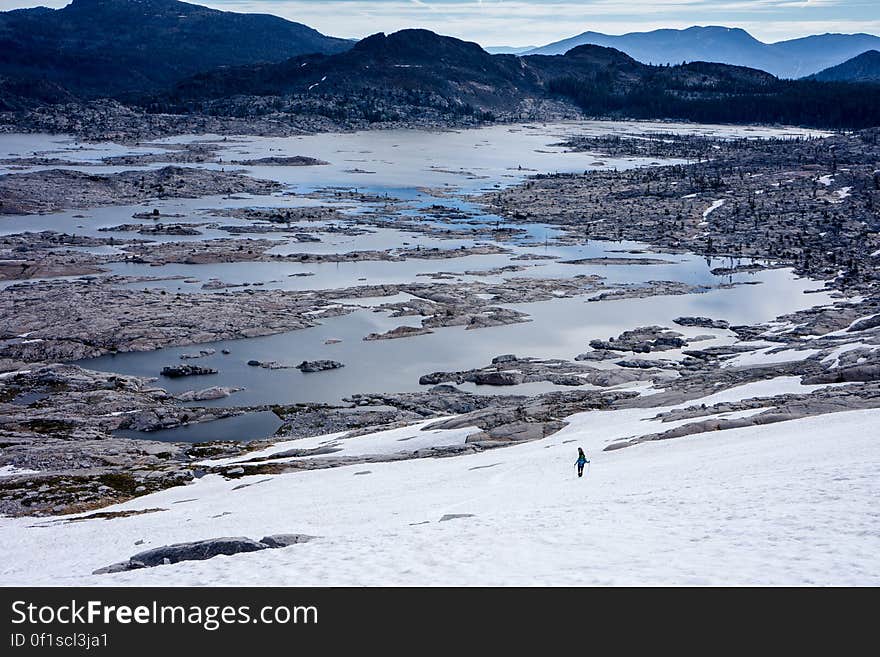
109, 47
172, 57
863, 68
726, 96
417, 67
409, 61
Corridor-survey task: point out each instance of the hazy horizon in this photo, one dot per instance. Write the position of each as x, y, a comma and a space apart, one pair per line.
538, 22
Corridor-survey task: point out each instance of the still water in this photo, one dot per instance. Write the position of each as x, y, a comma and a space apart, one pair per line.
413, 171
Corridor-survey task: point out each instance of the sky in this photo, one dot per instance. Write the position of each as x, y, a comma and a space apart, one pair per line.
538, 22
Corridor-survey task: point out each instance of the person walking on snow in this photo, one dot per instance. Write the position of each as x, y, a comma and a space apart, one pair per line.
582, 459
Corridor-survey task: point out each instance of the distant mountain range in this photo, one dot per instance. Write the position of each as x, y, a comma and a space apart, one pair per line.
170, 56
862, 68
508, 50
109, 47
790, 59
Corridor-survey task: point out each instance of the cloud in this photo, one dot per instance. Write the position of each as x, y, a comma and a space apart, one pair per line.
513, 22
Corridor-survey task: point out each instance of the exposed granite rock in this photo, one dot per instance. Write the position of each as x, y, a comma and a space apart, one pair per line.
774, 209
455, 516
285, 540
642, 340
617, 261
399, 332
67, 436
778, 409
72, 320
856, 373
217, 392
318, 365
865, 324
282, 161
201, 550
702, 322
56, 189
530, 370
177, 371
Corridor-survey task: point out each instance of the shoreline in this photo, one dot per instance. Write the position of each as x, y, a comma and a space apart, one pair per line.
693, 372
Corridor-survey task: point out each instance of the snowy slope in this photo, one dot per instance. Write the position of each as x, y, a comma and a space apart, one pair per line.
391, 441
788, 503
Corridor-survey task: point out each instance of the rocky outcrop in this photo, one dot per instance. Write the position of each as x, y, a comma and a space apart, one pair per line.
702, 322
67, 438
455, 516
508, 370
517, 431
856, 373
71, 320
177, 371
216, 392
496, 378
616, 261
201, 550
865, 324
782, 408
201, 354
638, 364
270, 364
56, 189
279, 161
285, 540
597, 355
318, 365
765, 215
399, 332
642, 340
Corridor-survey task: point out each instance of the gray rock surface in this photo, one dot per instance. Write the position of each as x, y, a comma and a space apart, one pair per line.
177, 371
455, 516
201, 550
285, 540
702, 322
318, 365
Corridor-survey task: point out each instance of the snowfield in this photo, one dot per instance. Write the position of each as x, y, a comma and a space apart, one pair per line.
791, 503
409, 438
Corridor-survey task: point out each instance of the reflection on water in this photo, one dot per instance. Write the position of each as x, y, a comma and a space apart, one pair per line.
244, 428
559, 329
424, 170
284, 275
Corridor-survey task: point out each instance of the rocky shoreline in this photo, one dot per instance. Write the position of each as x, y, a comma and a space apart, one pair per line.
104, 119
58, 189
811, 205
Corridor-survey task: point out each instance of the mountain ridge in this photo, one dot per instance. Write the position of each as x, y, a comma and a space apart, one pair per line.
420, 69
110, 47
163, 66
861, 68
792, 58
